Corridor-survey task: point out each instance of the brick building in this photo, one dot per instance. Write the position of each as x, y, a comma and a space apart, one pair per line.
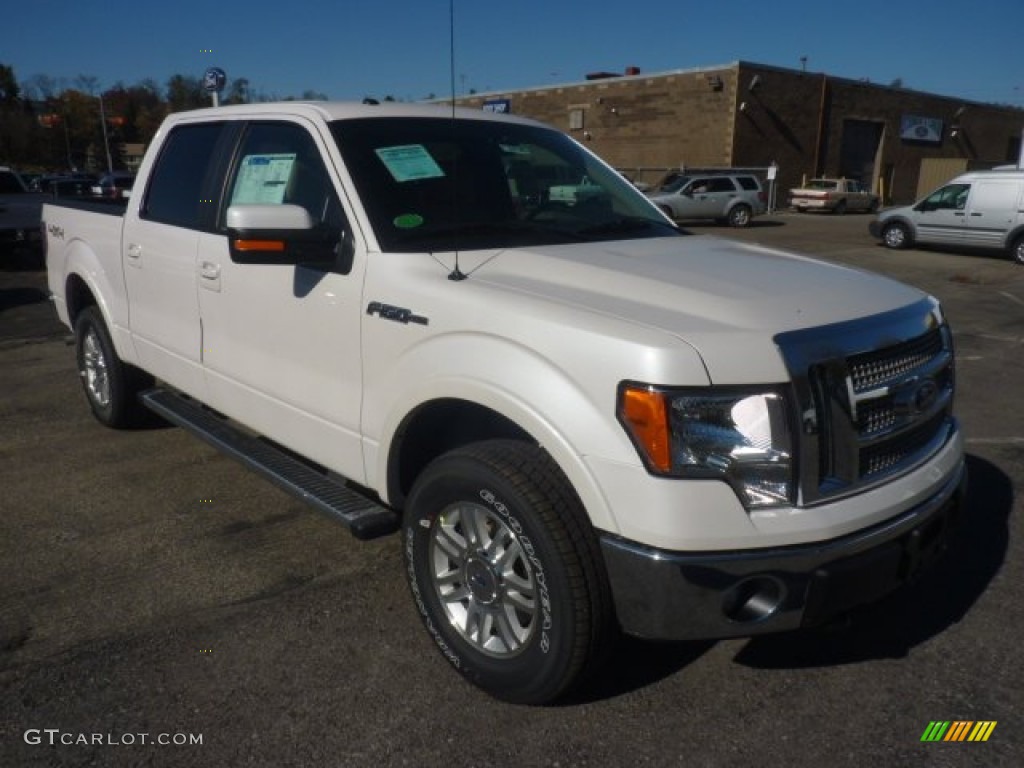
899, 141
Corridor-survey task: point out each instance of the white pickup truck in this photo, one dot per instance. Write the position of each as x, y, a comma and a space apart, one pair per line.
581, 420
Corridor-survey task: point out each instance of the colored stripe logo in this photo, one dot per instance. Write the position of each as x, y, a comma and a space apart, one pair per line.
958, 730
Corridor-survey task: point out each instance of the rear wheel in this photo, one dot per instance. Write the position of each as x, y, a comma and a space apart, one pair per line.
111, 386
840, 208
739, 216
506, 571
896, 235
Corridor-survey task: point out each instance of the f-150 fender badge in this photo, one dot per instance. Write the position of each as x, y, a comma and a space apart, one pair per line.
398, 314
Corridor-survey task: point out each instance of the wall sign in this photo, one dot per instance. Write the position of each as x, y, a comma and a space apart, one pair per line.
916, 128
499, 106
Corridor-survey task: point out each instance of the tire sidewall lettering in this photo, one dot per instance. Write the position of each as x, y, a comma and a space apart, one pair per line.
418, 530
539, 573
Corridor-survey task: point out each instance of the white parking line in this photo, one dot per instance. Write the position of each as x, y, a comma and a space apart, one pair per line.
1011, 297
996, 440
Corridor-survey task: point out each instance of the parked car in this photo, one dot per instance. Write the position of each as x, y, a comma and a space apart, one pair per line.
982, 209
114, 185
20, 219
65, 185
833, 195
731, 198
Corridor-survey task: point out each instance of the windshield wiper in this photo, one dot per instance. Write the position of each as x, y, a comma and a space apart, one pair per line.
473, 233
627, 225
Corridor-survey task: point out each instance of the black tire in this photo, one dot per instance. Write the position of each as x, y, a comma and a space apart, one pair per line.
896, 236
1017, 250
840, 208
506, 571
111, 386
668, 212
739, 216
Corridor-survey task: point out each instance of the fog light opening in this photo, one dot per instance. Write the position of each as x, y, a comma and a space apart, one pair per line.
753, 599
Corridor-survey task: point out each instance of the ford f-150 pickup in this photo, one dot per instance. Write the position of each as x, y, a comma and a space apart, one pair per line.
581, 420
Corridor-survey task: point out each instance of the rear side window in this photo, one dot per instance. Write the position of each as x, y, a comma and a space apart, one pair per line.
176, 184
749, 183
712, 184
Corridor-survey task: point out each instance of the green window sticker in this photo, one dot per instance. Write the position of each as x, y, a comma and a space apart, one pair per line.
409, 163
408, 221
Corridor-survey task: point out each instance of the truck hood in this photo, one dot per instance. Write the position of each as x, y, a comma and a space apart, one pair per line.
726, 299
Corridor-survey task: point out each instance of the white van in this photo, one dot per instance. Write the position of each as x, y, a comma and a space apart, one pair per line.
981, 209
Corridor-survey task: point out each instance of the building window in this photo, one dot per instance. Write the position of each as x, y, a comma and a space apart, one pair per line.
576, 119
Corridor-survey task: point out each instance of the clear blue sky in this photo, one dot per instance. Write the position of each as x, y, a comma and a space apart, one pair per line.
348, 49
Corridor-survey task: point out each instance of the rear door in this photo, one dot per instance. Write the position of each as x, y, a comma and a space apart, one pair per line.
159, 248
992, 211
708, 197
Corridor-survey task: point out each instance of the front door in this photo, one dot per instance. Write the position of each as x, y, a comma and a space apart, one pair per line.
942, 216
281, 343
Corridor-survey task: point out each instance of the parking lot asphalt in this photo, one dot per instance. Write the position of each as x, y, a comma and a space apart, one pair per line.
152, 590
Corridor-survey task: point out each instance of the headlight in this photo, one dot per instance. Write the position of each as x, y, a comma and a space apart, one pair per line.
741, 436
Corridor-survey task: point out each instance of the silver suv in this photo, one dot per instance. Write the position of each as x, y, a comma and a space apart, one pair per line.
733, 198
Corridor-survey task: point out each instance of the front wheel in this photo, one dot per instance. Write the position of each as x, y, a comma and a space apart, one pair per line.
739, 216
111, 386
506, 572
1017, 250
896, 236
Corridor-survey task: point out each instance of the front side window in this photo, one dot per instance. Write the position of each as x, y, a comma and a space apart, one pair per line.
438, 184
278, 164
952, 197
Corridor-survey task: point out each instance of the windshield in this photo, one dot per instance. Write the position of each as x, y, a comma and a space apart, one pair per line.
436, 184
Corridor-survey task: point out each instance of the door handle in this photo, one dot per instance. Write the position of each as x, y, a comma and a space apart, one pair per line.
134, 251
209, 271
975, 214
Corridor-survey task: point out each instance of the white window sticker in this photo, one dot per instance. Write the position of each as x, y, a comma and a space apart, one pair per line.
409, 163
263, 178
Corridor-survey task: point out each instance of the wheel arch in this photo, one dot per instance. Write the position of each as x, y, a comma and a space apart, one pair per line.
87, 282
440, 424
1015, 235
436, 427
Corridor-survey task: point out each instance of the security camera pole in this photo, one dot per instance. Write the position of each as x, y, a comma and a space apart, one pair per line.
213, 83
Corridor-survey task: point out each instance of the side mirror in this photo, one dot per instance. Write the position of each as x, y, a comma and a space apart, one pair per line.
280, 234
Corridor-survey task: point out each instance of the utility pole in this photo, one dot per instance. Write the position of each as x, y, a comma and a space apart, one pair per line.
106, 141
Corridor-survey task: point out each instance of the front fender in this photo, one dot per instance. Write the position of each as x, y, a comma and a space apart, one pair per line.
570, 419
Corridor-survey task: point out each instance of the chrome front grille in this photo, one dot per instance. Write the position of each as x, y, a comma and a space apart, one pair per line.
875, 398
875, 369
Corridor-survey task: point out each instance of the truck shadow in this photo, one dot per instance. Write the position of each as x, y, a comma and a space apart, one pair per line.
888, 629
925, 608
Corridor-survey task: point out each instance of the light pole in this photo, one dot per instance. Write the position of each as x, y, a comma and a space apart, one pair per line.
106, 141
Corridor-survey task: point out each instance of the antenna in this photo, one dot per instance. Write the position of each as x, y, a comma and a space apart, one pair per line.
456, 274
